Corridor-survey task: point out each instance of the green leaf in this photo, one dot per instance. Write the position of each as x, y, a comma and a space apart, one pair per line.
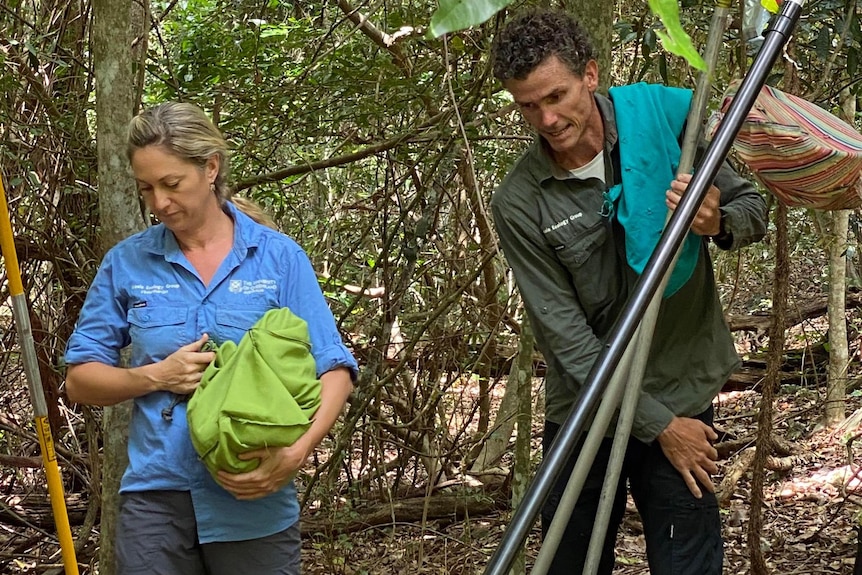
852, 61
268, 31
771, 5
856, 28
674, 38
454, 15
649, 42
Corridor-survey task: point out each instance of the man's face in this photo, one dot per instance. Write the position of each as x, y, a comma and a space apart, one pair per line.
556, 102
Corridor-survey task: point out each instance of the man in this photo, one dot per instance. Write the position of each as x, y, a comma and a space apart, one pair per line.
561, 231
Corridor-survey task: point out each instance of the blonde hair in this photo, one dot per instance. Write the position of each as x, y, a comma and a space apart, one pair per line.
185, 131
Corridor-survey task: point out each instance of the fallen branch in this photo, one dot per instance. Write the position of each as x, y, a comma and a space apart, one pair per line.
738, 468
19, 461
444, 506
806, 311
34, 511
733, 475
726, 449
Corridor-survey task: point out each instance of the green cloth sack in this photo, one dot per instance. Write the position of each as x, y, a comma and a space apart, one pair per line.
260, 393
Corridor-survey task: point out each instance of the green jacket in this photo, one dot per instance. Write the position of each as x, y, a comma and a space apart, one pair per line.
569, 262
260, 393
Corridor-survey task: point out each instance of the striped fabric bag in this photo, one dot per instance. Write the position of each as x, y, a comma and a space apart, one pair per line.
802, 154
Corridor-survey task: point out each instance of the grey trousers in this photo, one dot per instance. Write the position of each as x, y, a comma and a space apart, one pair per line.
157, 535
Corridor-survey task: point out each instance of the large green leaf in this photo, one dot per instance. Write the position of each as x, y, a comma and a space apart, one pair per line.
454, 15
674, 38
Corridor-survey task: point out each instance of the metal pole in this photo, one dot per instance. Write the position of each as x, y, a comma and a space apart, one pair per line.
642, 341
34, 382
602, 371
610, 401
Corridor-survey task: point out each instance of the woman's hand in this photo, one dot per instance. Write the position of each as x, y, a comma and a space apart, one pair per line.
181, 371
277, 467
96, 383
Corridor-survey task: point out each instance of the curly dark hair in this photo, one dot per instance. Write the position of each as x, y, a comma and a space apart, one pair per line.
529, 38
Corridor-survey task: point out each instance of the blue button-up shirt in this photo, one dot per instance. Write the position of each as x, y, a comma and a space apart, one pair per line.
147, 294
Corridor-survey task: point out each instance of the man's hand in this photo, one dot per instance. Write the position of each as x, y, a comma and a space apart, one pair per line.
687, 444
707, 222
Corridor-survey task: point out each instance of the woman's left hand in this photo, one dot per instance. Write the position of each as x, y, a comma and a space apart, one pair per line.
277, 466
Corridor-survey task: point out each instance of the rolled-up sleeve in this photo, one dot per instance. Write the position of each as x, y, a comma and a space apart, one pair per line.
743, 209
302, 294
102, 329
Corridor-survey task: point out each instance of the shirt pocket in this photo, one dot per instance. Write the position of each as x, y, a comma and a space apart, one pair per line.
232, 323
157, 332
578, 248
588, 255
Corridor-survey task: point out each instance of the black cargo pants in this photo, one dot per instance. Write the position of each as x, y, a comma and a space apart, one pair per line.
683, 534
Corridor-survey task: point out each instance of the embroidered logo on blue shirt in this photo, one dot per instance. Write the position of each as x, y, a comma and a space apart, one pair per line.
247, 287
154, 288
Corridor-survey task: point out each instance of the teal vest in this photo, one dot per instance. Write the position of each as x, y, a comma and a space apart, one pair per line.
650, 118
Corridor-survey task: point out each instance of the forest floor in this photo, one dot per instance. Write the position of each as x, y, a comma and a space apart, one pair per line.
809, 513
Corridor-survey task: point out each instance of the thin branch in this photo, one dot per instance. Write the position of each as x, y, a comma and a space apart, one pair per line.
322, 164
379, 37
341, 160
17, 17
848, 19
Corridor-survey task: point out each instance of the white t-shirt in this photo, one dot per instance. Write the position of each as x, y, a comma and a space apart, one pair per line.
595, 168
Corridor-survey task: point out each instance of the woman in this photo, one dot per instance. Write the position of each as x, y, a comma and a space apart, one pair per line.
208, 271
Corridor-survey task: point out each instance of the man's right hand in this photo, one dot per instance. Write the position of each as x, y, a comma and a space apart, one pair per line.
687, 443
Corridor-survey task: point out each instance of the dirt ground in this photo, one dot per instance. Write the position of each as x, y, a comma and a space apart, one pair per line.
809, 515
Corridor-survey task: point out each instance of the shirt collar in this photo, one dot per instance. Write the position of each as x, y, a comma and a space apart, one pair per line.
247, 234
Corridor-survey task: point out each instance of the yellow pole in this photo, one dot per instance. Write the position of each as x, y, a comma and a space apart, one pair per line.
34, 382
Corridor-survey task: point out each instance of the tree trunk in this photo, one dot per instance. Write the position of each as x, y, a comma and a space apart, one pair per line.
834, 411
522, 370
496, 444
119, 211
839, 354
597, 18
